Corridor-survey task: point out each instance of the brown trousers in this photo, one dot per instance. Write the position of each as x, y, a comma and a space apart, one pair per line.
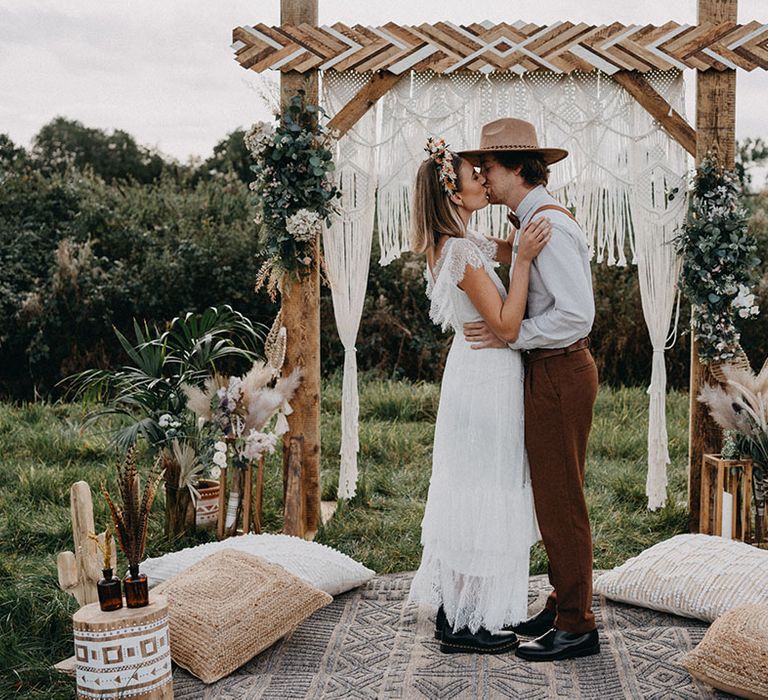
560, 392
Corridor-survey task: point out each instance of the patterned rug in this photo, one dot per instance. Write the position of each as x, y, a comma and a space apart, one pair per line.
369, 643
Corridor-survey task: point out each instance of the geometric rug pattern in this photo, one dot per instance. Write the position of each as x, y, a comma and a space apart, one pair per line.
371, 643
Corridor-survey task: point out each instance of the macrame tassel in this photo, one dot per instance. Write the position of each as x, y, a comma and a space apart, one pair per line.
658, 453
350, 412
347, 249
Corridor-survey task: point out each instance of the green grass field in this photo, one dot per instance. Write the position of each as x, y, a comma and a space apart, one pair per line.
42, 452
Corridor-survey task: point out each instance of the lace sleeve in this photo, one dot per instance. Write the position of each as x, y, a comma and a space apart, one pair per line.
487, 246
458, 254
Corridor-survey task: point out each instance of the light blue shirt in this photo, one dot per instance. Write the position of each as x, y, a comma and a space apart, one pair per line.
561, 306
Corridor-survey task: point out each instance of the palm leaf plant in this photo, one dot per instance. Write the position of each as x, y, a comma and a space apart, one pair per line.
145, 395
140, 393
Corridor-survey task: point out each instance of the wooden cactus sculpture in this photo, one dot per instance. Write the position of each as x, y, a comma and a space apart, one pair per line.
80, 571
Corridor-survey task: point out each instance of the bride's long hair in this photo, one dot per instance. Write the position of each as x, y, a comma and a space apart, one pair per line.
433, 214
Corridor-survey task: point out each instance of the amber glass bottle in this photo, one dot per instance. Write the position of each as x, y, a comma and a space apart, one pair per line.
110, 594
136, 589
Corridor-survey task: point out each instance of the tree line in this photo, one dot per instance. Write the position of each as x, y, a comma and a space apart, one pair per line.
97, 230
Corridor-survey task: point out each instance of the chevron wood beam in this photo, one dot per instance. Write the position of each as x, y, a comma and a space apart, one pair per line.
653, 103
518, 47
368, 95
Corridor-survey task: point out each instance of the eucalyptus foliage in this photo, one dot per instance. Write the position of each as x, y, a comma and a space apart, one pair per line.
293, 167
719, 262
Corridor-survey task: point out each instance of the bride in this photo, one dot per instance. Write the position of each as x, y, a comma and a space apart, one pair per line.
479, 520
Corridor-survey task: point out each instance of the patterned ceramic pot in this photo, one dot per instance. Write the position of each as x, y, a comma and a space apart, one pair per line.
207, 509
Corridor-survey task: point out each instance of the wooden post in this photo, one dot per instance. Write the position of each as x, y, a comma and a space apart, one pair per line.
247, 489
222, 515
715, 132
301, 316
293, 516
258, 496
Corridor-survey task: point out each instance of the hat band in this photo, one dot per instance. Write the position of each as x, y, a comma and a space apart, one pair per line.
521, 146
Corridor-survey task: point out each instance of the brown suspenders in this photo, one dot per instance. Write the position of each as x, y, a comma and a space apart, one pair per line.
555, 207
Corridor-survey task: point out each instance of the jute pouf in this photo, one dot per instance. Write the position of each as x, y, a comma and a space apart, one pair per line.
124, 653
733, 656
230, 606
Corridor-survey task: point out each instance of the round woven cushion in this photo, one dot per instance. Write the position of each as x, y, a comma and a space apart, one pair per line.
733, 656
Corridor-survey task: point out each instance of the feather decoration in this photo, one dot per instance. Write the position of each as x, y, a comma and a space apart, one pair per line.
275, 344
131, 520
257, 378
262, 407
198, 401
287, 385
105, 548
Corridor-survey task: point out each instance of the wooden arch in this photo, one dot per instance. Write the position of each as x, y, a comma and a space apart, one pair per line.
715, 47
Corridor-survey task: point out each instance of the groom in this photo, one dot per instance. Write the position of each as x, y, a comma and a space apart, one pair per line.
560, 383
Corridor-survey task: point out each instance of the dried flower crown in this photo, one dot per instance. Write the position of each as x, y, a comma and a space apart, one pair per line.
439, 153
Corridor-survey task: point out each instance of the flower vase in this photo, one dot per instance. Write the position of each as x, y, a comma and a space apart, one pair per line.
136, 588
110, 593
207, 506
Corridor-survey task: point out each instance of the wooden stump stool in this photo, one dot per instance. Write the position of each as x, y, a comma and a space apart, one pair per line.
125, 653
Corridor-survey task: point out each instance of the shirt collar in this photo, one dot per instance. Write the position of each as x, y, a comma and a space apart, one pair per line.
531, 201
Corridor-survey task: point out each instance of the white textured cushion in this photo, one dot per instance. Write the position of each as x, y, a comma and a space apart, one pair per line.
323, 567
699, 576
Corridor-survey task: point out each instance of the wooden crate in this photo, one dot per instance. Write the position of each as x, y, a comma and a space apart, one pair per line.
733, 476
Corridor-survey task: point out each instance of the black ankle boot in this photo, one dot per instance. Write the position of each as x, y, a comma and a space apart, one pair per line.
480, 642
441, 622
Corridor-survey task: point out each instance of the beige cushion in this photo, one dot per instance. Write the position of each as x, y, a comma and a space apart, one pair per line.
699, 576
733, 656
230, 606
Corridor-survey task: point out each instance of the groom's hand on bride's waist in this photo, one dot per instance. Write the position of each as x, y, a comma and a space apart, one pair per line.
481, 337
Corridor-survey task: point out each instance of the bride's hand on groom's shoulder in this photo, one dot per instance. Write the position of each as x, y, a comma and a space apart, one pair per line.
481, 336
534, 236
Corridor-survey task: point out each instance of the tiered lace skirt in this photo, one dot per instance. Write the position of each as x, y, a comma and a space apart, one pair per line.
479, 521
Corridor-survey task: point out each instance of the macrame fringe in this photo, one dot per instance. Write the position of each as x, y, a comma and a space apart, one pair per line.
618, 176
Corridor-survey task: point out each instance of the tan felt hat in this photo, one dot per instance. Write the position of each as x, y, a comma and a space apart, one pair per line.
509, 135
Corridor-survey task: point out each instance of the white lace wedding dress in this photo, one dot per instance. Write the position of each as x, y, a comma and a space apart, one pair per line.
479, 521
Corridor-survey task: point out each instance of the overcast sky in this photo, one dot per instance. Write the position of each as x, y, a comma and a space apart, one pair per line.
163, 70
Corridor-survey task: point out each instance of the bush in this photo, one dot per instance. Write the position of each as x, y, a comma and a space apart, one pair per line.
78, 256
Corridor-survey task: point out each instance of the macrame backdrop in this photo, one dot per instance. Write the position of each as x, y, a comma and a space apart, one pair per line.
347, 254
618, 176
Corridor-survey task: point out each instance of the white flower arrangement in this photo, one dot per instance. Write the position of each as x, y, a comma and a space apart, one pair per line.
259, 137
295, 184
237, 410
304, 225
